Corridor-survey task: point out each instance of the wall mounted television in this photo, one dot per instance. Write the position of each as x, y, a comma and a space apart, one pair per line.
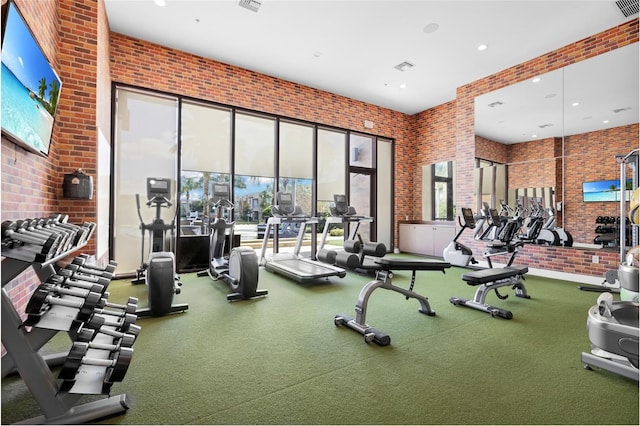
30, 85
604, 190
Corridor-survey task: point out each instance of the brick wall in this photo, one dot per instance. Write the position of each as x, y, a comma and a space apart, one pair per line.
151, 66
591, 157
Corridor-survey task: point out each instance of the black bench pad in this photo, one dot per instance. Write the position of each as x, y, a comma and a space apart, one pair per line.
484, 276
411, 265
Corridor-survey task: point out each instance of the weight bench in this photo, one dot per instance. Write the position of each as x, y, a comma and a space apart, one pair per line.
383, 280
493, 279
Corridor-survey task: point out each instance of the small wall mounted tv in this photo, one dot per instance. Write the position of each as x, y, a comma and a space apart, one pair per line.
604, 190
30, 85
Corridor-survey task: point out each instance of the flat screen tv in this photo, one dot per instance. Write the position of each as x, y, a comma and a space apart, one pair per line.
604, 190
30, 86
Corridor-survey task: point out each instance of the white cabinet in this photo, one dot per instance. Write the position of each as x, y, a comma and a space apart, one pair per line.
425, 238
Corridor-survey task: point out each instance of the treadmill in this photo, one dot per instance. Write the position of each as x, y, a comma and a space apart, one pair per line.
293, 265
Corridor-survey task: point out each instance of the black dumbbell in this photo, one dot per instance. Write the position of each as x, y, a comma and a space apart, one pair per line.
97, 323
47, 295
123, 339
31, 247
83, 260
71, 271
117, 364
61, 279
114, 309
121, 323
34, 226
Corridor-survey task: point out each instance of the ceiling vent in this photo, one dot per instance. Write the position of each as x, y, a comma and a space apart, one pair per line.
628, 7
252, 5
618, 110
495, 104
404, 66
542, 126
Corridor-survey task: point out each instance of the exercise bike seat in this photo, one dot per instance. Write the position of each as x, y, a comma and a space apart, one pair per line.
388, 264
484, 276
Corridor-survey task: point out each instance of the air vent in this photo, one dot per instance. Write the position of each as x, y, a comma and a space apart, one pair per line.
542, 126
495, 104
618, 110
403, 66
252, 5
628, 7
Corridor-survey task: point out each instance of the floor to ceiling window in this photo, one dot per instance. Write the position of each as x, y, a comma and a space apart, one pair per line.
197, 143
146, 145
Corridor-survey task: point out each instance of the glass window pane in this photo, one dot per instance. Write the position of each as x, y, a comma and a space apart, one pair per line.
331, 164
301, 190
360, 199
296, 151
253, 197
442, 169
440, 199
360, 151
145, 146
206, 138
254, 146
196, 200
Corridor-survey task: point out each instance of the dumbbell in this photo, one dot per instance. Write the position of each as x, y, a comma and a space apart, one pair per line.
63, 278
122, 323
68, 272
46, 295
34, 226
90, 271
100, 325
83, 260
117, 364
40, 247
107, 308
86, 334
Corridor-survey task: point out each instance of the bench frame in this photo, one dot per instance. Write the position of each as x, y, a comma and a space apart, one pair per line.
493, 279
383, 280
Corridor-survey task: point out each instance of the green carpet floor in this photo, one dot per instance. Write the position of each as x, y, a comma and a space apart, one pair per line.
281, 360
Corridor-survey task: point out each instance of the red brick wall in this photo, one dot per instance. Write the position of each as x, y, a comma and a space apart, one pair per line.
151, 66
591, 157
433, 128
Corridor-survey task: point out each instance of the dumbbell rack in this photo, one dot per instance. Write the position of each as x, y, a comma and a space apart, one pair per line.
22, 348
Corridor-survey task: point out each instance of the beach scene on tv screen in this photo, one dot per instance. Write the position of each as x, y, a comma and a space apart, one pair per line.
30, 88
603, 190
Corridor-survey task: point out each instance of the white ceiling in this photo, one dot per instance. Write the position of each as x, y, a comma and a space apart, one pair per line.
350, 47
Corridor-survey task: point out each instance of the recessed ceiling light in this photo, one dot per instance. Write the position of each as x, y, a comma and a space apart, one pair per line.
575, 104
534, 136
431, 28
482, 47
605, 121
403, 86
536, 80
160, 3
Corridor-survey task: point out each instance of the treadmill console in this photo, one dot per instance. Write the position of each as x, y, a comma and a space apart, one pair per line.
284, 203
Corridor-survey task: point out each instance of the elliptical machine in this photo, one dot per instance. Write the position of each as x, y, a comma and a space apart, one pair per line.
239, 270
159, 273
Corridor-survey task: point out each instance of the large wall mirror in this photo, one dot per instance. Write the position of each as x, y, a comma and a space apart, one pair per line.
548, 132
